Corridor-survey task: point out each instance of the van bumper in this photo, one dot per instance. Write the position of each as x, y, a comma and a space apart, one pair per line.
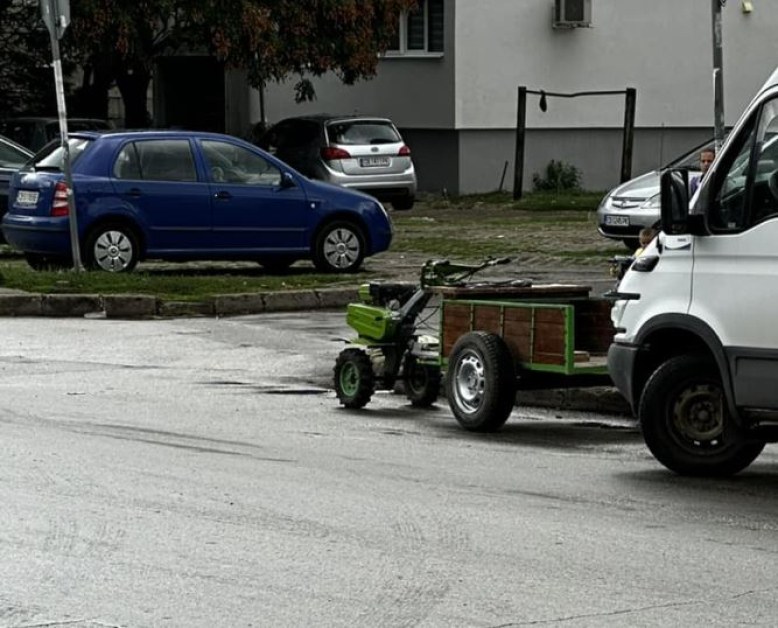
621, 365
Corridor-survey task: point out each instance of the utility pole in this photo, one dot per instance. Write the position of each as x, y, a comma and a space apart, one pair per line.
718, 75
56, 16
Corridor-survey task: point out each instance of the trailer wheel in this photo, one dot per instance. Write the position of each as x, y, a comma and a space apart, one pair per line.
422, 382
481, 382
354, 378
686, 423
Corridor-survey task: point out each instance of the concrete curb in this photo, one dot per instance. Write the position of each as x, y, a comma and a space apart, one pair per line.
133, 306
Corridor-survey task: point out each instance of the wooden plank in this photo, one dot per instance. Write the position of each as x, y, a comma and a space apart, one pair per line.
518, 338
549, 339
549, 358
526, 293
521, 314
487, 318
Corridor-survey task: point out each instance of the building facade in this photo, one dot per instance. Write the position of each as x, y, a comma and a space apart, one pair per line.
451, 85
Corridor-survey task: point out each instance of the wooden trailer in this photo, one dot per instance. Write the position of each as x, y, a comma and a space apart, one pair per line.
497, 339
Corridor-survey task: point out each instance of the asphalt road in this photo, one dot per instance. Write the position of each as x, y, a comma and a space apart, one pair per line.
196, 472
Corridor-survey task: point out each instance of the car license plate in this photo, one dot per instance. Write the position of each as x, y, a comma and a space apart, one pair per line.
373, 162
25, 197
617, 221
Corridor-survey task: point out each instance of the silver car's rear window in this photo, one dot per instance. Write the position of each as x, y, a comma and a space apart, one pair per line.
355, 132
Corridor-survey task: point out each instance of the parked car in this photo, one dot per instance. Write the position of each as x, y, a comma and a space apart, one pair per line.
179, 195
35, 132
12, 157
631, 206
358, 152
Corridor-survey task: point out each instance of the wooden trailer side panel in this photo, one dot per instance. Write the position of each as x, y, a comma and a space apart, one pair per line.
537, 335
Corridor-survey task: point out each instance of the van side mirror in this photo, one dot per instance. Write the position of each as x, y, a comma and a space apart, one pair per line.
675, 201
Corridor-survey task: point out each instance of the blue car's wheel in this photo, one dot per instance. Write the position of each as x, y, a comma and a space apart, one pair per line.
339, 248
113, 248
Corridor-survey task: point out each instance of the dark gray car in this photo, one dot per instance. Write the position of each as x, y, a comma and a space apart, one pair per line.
12, 157
359, 152
34, 132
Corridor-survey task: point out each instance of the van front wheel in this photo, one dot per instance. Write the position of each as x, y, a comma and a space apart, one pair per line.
686, 422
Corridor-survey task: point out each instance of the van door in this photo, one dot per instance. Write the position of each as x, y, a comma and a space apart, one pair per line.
735, 276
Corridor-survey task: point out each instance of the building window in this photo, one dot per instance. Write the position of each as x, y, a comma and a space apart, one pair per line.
420, 31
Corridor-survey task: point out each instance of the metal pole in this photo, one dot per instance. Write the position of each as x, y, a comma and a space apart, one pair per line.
629, 134
63, 131
521, 128
718, 75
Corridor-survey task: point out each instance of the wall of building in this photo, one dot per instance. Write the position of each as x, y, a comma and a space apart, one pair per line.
662, 48
415, 92
595, 152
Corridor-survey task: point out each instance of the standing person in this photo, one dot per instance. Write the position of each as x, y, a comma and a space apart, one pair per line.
707, 155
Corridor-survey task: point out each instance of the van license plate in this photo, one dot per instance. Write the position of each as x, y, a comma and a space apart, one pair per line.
25, 197
373, 162
617, 221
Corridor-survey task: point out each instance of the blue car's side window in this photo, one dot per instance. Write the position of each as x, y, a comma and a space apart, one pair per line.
228, 163
127, 165
165, 160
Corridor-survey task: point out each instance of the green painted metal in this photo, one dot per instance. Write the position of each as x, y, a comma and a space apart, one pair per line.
349, 379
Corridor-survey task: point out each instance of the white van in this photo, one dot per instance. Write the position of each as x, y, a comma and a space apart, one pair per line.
696, 316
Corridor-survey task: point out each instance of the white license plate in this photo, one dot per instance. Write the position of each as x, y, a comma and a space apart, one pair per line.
25, 197
373, 162
617, 221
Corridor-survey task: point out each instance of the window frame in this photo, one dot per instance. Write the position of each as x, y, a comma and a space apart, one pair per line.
403, 51
751, 143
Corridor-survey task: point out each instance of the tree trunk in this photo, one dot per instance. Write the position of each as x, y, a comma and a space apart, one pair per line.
91, 99
133, 85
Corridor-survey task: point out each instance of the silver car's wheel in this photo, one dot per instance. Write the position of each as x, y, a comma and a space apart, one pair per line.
339, 248
113, 249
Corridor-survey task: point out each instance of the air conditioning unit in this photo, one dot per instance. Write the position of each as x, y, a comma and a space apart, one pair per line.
572, 13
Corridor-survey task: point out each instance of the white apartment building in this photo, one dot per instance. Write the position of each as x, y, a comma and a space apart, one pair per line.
451, 84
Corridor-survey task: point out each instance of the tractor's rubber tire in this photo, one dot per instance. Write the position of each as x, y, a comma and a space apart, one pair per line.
686, 423
422, 382
354, 378
481, 381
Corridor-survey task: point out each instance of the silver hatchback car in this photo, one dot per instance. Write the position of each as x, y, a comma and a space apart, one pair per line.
633, 205
359, 152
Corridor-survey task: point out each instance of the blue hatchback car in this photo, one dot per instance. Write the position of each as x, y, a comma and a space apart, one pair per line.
178, 195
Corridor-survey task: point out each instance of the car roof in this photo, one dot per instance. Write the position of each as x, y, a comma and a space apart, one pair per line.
151, 134
328, 117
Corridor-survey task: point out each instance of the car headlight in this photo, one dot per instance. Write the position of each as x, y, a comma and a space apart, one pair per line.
655, 202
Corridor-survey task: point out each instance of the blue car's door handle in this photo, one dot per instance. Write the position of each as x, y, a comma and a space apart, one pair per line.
222, 194
134, 192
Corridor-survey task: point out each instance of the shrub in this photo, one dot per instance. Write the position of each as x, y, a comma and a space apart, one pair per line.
559, 177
